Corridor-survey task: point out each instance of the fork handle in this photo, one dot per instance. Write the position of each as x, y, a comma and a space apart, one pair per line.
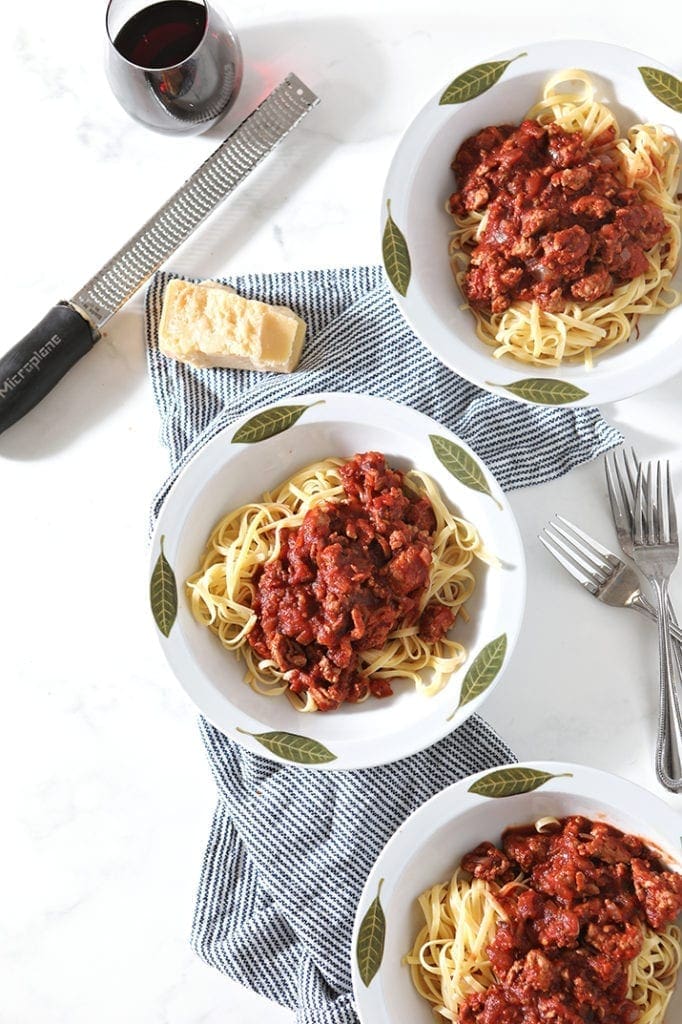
669, 740
641, 604
673, 735
670, 708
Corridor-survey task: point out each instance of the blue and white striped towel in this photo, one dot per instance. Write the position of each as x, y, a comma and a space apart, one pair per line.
289, 849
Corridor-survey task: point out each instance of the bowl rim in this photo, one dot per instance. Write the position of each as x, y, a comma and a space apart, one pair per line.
566, 777
619, 383
203, 464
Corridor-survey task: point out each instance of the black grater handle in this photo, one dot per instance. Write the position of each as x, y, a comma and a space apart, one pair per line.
39, 361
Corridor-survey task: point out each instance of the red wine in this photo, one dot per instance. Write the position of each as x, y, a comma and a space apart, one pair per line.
176, 65
162, 35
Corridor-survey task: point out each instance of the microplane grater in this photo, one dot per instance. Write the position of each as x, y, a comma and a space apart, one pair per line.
33, 366
219, 175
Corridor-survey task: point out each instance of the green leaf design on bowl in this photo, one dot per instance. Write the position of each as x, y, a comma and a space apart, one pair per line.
163, 593
664, 86
460, 464
270, 422
544, 390
476, 80
396, 254
482, 671
512, 781
371, 938
292, 747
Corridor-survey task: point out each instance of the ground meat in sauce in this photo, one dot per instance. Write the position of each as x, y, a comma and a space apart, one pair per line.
563, 954
352, 573
561, 227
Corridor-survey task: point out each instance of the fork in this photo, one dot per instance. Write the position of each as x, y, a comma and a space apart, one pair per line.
598, 570
621, 485
656, 553
608, 578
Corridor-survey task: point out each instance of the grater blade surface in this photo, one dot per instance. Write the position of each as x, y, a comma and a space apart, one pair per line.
175, 221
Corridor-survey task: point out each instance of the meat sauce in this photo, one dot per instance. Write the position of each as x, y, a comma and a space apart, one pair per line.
351, 574
563, 955
561, 226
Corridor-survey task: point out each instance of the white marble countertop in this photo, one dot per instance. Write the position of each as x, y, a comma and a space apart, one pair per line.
107, 797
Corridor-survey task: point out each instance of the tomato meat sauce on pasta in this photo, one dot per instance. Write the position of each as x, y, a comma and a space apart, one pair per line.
343, 579
567, 920
353, 572
560, 225
566, 232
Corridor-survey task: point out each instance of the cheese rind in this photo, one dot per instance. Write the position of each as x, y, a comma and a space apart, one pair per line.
208, 324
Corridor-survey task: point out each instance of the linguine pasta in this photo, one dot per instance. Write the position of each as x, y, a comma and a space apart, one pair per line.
223, 589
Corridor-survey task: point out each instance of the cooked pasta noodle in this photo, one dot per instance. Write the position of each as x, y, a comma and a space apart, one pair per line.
448, 959
223, 589
653, 973
647, 159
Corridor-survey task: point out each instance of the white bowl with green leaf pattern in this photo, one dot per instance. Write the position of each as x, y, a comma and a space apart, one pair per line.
252, 455
415, 226
428, 847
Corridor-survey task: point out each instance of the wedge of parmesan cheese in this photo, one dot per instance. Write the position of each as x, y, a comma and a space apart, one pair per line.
208, 324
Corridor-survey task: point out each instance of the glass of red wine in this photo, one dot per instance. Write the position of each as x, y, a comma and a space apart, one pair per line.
173, 65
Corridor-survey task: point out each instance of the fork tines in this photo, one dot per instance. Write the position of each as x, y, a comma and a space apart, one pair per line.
588, 561
622, 484
655, 519
628, 478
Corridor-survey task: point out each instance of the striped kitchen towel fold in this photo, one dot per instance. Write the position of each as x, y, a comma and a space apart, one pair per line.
289, 850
